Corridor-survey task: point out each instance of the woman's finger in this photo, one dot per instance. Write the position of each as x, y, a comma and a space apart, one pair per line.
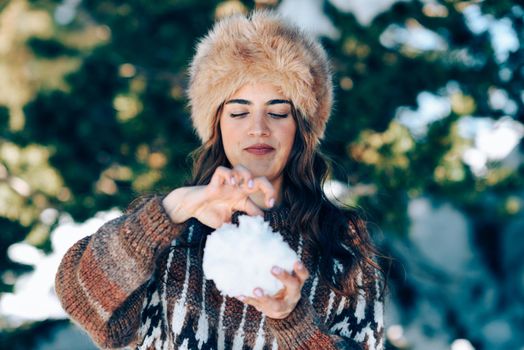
301, 272
251, 184
291, 283
260, 300
250, 301
263, 185
243, 176
251, 208
221, 176
257, 184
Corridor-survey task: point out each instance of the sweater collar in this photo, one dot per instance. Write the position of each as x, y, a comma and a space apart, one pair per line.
278, 217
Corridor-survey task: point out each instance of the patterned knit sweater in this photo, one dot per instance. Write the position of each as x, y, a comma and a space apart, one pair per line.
138, 283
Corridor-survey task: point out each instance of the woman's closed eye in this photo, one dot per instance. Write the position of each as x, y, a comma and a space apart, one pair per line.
273, 115
234, 115
278, 115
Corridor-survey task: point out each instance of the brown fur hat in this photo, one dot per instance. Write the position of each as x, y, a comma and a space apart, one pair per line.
263, 47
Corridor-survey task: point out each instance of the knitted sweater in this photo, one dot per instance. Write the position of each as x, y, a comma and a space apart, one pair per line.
134, 284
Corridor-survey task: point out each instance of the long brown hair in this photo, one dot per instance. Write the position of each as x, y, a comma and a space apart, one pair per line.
339, 235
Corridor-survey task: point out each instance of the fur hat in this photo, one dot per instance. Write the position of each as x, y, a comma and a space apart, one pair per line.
263, 47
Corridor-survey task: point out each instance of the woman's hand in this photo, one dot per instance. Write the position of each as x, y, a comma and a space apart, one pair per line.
227, 192
281, 304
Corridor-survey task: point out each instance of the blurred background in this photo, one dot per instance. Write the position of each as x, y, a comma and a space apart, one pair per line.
426, 137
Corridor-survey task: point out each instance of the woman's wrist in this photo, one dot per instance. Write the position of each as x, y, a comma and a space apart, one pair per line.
176, 205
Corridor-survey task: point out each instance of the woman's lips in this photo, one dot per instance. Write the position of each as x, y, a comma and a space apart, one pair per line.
259, 151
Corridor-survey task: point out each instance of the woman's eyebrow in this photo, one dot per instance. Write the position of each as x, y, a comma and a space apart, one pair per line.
239, 101
247, 102
275, 102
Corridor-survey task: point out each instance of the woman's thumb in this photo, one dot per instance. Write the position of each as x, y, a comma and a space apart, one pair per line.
251, 208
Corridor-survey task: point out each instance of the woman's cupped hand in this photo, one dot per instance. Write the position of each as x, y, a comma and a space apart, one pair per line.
280, 305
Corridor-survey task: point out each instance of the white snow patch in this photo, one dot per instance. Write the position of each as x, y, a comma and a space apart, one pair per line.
34, 297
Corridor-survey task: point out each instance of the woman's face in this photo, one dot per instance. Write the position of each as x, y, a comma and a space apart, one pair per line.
258, 130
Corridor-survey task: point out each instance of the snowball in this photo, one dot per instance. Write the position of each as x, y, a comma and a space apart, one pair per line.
239, 258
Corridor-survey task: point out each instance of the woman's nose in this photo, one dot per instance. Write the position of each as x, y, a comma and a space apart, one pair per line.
259, 125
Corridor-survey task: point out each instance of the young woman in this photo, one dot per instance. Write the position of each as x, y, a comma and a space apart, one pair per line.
261, 94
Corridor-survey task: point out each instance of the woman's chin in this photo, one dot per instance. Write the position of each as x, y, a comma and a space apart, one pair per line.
258, 169
261, 173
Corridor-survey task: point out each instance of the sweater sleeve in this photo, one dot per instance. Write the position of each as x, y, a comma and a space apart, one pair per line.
352, 328
101, 281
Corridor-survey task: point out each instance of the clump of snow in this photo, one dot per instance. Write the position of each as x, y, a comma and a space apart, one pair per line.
239, 258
